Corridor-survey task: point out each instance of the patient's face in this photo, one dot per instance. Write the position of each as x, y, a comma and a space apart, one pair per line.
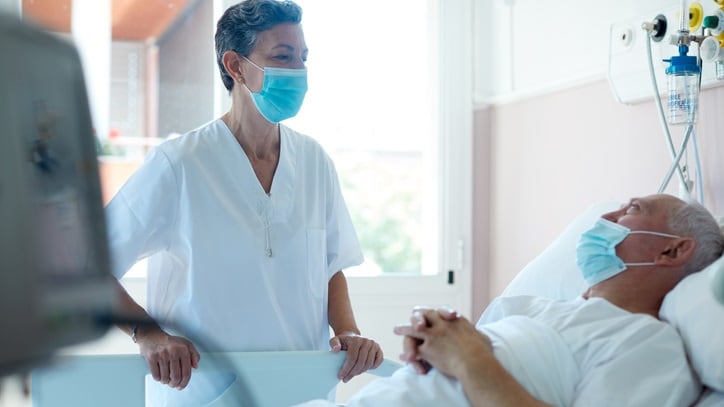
648, 213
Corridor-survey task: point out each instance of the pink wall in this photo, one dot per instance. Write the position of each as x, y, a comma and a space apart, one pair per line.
541, 161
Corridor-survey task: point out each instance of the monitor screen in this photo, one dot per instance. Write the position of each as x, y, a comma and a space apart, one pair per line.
54, 267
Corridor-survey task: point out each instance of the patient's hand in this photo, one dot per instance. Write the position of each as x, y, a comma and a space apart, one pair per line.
442, 340
362, 354
170, 358
418, 323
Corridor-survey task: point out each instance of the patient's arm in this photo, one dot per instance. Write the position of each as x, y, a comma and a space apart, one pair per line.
170, 358
456, 348
362, 353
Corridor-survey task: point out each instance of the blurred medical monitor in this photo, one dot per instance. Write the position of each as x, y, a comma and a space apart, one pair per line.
54, 267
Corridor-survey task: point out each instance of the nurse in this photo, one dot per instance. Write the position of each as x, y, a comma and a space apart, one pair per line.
242, 219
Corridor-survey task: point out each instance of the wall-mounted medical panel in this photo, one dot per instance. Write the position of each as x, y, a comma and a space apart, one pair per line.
525, 48
628, 63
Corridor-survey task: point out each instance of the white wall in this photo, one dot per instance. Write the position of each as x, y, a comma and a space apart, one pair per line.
527, 48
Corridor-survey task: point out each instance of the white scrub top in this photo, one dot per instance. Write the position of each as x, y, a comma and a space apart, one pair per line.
231, 266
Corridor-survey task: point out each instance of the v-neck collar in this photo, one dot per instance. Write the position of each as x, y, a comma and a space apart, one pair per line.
281, 194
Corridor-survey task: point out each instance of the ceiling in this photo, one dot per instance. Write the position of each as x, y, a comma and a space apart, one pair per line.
132, 20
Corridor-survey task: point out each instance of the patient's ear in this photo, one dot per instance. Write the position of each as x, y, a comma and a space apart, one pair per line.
677, 253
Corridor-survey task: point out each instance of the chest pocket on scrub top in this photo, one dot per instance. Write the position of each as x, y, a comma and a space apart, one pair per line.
317, 261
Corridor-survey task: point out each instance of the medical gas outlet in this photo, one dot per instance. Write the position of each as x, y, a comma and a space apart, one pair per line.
711, 50
698, 27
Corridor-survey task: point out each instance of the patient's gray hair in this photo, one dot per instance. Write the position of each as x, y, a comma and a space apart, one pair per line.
693, 220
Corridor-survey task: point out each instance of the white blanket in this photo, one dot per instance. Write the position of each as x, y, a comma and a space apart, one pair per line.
573, 353
528, 349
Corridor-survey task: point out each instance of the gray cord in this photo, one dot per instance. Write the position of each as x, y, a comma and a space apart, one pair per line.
662, 120
675, 163
699, 172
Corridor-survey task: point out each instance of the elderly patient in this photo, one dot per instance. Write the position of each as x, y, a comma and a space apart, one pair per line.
604, 348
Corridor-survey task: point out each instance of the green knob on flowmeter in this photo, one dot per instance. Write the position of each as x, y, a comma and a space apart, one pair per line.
711, 22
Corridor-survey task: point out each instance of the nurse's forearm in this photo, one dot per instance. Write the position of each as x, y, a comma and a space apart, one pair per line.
170, 359
128, 308
339, 309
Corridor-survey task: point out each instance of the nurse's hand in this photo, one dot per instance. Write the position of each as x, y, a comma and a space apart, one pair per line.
362, 354
170, 358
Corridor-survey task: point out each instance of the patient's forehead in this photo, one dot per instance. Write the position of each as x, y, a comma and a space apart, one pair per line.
659, 203
649, 212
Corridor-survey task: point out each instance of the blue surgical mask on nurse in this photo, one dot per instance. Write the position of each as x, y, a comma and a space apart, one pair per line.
281, 94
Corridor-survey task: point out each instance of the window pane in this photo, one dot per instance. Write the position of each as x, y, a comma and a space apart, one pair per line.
371, 105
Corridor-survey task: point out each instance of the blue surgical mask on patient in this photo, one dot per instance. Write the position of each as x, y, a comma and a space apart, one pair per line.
596, 250
281, 94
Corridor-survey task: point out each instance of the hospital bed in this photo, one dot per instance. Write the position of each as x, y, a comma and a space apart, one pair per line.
691, 307
259, 379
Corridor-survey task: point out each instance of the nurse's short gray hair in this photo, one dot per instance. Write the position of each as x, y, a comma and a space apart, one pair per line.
693, 220
238, 27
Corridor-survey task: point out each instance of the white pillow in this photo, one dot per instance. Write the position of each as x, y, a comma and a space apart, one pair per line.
692, 308
554, 273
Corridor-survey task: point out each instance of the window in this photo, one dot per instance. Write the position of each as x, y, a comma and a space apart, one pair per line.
372, 105
390, 100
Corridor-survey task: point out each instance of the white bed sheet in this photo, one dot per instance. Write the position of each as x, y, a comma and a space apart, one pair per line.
710, 398
569, 353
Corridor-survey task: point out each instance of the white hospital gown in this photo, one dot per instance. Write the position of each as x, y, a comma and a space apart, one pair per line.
601, 355
198, 210
623, 359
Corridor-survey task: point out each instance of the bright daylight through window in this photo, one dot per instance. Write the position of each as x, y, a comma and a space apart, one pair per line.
372, 86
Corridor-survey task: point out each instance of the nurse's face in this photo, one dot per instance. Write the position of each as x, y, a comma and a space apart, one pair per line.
282, 46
